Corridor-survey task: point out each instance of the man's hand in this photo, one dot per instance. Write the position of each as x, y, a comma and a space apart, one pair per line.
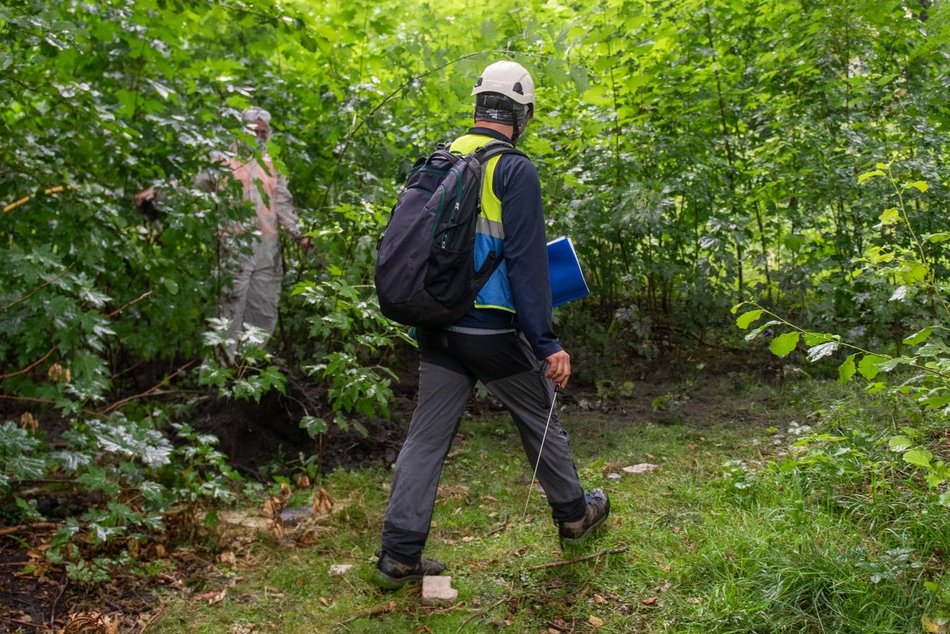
559, 368
144, 196
304, 243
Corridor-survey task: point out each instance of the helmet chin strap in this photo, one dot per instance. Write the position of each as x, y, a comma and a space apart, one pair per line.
515, 131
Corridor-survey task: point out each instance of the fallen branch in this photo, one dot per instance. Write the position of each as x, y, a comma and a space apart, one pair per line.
23, 623
568, 562
386, 608
499, 529
12, 530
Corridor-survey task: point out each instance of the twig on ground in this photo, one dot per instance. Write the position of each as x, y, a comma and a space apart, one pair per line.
482, 612
657, 519
499, 529
452, 608
52, 615
386, 608
151, 620
12, 530
22, 623
568, 562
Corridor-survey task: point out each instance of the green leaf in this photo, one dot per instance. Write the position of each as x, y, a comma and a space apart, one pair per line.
920, 186
918, 337
847, 369
866, 175
890, 364
899, 443
794, 242
936, 238
919, 457
313, 426
869, 366
815, 338
914, 272
746, 319
783, 344
890, 216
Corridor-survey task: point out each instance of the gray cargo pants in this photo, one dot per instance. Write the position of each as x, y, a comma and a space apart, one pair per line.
451, 363
254, 292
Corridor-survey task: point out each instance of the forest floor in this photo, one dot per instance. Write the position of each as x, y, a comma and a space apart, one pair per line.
649, 570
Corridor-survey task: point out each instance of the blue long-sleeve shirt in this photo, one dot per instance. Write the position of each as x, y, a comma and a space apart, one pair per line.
517, 186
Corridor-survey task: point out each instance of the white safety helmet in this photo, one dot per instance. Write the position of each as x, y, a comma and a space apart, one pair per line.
254, 113
510, 79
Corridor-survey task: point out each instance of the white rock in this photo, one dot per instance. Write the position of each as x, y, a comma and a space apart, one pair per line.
644, 467
613, 476
438, 590
340, 569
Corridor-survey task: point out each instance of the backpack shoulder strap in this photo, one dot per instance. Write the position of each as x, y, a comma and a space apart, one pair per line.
493, 149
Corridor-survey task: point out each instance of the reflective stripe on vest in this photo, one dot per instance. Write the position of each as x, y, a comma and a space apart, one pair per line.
489, 232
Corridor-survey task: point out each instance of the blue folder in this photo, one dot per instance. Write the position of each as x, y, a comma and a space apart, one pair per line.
567, 279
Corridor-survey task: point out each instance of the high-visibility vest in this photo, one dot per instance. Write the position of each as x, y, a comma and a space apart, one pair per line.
490, 233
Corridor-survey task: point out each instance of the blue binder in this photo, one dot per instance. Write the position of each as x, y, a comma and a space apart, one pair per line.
567, 279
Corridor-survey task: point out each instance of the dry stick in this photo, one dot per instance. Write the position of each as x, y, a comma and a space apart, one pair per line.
151, 620
32, 365
568, 562
56, 345
482, 612
499, 529
41, 401
36, 290
52, 616
378, 610
11, 530
22, 623
149, 392
134, 301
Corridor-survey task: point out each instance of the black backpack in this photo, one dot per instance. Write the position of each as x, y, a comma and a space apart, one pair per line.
425, 266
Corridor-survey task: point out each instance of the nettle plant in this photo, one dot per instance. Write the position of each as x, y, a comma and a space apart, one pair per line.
252, 373
923, 358
356, 338
130, 476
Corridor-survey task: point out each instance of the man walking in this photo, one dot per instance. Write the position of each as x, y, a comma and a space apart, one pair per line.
505, 340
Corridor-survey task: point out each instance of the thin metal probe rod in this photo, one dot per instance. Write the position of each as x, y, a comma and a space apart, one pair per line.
540, 449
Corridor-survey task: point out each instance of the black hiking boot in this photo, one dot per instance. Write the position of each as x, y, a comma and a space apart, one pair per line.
598, 508
391, 574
